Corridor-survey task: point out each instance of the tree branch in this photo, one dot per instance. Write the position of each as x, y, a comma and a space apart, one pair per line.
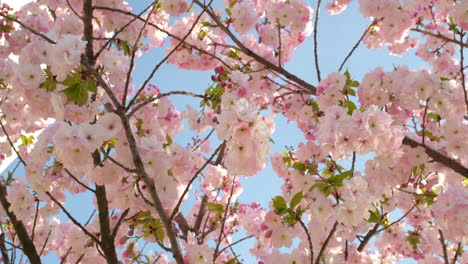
254, 55
35, 32
73, 219
28, 246
440, 36
444, 246
367, 237
3, 249
107, 238
324, 245
357, 44
437, 156
309, 239
12, 145
317, 68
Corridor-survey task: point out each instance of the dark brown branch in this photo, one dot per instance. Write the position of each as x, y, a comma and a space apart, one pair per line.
440, 36
73, 219
3, 249
64, 258
457, 253
438, 157
107, 238
254, 55
462, 71
179, 202
117, 226
116, 33
325, 244
444, 246
367, 237
152, 99
133, 53
35, 32
35, 220
234, 243
78, 181
201, 213
156, 68
175, 248
118, 163
398, 220
27, 244
164, 31
12, 145
317, 12
223, 222
45, 242
309, 239
88, 29
357, 44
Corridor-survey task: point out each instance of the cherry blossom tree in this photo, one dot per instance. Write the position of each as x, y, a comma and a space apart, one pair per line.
66, 73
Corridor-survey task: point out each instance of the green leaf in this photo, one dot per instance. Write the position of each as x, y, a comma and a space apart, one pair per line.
231, 261
214, 207
76, 93
206, 24
228, 11
296, 199
50, 84
375, 216
27, 140
279, 202
168, 141
91, 84
351, 91
160, 233
232, 4
413, 238
281, 211
353, 83
322, 186
348, 76
350, 105
72, 78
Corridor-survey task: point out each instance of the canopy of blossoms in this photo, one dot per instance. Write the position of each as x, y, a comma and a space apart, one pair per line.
66, 70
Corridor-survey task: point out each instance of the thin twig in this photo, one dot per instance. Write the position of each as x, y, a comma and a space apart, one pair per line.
73, 219
3, 249
357, 44
398, 220
367, 237
35, 32
134, 50
119, 222
234, 243
156, 68
439, 36
325, 244
457, 253
223, 222
27, 244
303, 84
152, 99
11, 143
462, 71
317, 68
179, 202
78, 181
309, 239
437, 156
444, 246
